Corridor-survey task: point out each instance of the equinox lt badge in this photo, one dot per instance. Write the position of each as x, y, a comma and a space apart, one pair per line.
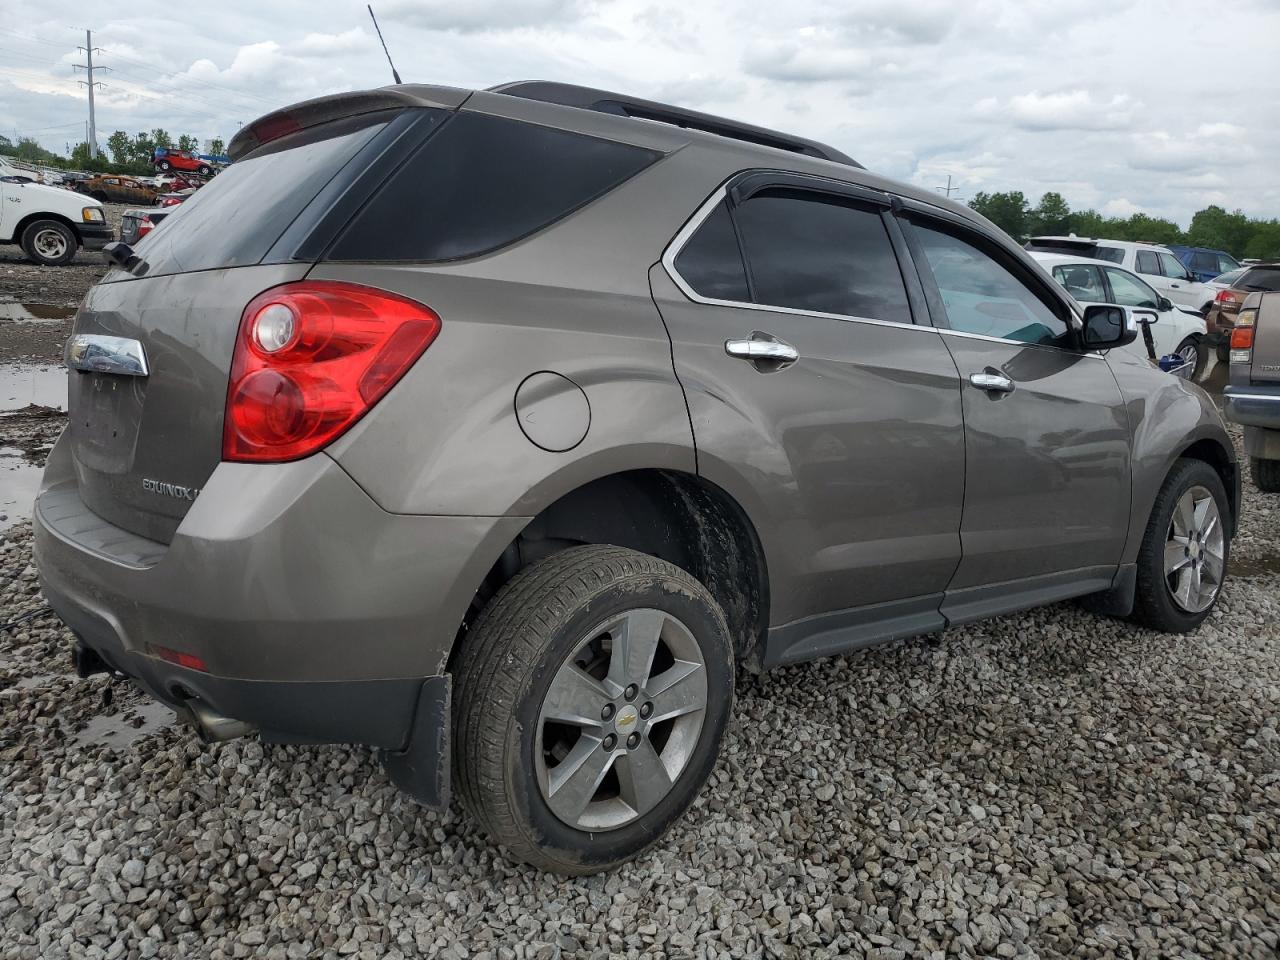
170, 489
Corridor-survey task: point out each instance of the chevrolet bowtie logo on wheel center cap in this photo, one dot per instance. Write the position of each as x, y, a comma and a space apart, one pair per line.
626, 719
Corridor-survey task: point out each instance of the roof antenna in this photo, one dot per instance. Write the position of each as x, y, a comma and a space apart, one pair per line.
394, 73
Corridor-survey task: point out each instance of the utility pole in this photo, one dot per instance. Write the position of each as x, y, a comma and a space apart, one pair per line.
88, 67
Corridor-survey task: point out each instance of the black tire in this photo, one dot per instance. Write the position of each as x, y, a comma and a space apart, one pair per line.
41, 245
205, 171
165, 165
1154, 605
1266, 474
508, 662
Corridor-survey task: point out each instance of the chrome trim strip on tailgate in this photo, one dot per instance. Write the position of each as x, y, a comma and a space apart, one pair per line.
98, 353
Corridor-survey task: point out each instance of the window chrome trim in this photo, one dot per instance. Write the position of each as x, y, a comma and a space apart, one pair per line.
948, 332
691, 227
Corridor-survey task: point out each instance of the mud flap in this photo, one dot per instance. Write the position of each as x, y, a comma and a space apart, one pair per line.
422, 769
1118, 601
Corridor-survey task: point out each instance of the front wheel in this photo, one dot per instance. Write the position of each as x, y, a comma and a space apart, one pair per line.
165, 165
49, 243
1183, 558
591, 697
205, 171
1189, 353
1266, 474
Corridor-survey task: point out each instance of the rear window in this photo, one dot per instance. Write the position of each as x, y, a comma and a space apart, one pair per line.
237, 216
1110, 254
1260, 278
480, 183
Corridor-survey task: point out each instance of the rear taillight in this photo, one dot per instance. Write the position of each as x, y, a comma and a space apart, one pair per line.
1242, 336
1223, 295
145, 226
311, 359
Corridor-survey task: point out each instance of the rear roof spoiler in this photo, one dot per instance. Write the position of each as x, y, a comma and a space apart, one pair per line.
336, 106
603, 101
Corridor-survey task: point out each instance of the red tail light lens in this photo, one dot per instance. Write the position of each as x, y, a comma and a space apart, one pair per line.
311, 359
1223, 295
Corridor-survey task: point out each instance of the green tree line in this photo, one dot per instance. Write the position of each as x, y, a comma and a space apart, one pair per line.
1214, 227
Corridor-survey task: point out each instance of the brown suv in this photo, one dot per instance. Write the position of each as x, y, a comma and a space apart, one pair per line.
1256, 278
494, 428
112, 189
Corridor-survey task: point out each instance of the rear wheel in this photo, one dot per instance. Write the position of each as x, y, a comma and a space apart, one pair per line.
205, 171
1266, 474
49, 243
591, 697
165, 165
1183, 558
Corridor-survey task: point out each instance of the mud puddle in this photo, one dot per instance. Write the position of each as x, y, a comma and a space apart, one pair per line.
36, 312
19, 484
1246, 569
24, 384
120, 730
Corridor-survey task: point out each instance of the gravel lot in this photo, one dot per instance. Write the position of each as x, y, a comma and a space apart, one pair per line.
1050, 784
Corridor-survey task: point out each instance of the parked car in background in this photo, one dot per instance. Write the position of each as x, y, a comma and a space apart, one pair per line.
1203, 262
503, 458
50, 223
170, 158
1256, 278
1252, 395
110, 188
136, 224
1175, 332
1224, 280
1157, 265
174, 198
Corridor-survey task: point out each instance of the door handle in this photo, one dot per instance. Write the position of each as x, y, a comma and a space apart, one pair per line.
993, 382
765, 352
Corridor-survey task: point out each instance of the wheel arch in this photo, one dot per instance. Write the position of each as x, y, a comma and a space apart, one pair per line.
669, 513
1211, 451
31, 218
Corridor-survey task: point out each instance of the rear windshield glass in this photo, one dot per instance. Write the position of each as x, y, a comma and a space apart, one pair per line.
237, 216
1260, 278
483, 182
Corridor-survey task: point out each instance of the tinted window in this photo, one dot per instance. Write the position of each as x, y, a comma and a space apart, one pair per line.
983, 296
1260, 278
1205, 262
828, 257
482, 182
1171, 267
1082, 282
1127, 290
239, 214
1226, 263
1110, 254
1148, 263
711, 262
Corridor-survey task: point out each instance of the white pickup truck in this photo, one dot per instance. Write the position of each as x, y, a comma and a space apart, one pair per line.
49, 222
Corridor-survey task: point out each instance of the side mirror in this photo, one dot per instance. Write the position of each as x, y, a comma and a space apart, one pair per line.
1107, 325
1163, 304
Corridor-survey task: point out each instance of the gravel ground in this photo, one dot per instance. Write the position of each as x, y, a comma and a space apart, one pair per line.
1050, 784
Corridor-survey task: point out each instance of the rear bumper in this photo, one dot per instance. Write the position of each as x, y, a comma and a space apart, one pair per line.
1252, 406
318, 616
94, 236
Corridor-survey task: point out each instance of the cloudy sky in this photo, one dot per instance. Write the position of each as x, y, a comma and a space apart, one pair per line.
1164, 106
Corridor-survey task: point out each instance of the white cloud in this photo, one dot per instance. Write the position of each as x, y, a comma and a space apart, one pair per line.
480, 15
1120, 207
1063, 110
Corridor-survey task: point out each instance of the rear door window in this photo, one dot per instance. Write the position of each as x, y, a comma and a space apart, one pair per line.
821, 256
1148, 263
480, 183
983, 296
1172, 268
711, 262
1110, 254
234, 219
1205, 261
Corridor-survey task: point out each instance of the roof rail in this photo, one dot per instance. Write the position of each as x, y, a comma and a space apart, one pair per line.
602, 101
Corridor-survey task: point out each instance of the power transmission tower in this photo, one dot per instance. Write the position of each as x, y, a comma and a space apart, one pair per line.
89, 50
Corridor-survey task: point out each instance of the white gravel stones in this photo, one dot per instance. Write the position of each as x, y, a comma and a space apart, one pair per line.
1047, 785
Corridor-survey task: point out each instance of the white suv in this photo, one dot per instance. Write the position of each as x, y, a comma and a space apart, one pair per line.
1157, 264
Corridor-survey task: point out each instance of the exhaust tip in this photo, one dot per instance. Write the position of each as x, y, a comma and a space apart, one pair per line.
213, 727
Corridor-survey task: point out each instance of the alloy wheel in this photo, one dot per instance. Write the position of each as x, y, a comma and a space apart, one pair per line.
50, 244
621, 720
1189, 355
1194, 551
